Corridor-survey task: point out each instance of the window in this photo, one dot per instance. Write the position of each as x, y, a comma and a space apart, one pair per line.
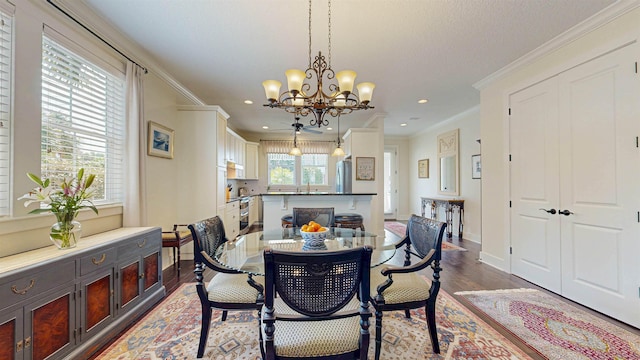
285, 169
5, 110
314, 169
82, 121
282, 169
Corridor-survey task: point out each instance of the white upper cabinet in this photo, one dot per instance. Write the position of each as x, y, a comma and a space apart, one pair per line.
251, 160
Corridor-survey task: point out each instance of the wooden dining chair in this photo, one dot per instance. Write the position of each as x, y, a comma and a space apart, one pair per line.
316, 313
229, 289
401, 287
323, 216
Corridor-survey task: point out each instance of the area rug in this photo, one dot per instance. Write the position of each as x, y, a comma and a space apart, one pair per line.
554, 328
400, 229
172, 330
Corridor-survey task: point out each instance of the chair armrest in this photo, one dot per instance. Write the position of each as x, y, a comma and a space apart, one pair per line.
387, 270
403, 241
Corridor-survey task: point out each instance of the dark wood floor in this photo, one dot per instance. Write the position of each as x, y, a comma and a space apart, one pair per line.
462, 271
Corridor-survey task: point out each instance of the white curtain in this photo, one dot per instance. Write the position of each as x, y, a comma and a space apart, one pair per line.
135, 204
306, 146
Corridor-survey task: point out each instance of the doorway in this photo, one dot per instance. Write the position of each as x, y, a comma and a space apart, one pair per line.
390, 183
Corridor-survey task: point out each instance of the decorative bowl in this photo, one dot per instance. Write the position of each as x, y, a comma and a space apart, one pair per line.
314, 240
316, 236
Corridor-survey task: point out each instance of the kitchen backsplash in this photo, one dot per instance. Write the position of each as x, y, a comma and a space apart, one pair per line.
253, 187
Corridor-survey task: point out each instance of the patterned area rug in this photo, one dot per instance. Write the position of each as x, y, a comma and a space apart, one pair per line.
172, 330
400, 229
554, 328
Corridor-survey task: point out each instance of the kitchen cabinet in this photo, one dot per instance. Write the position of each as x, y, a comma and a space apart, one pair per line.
232, 220
203, 147
60, 304
230, 146
254, 212
251, 160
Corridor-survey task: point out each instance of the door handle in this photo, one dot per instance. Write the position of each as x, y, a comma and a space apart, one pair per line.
565, 212
550, 211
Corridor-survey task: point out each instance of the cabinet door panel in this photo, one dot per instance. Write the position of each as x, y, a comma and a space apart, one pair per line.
98, 297
51, 327
129, 284
11, 344
150, 270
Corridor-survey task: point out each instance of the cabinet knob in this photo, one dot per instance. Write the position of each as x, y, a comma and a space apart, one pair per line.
142, 243
141, 276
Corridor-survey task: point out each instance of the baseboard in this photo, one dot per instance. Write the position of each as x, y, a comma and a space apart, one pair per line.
493, 261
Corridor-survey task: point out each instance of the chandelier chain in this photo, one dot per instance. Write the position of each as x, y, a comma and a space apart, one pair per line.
309, 33
329, 34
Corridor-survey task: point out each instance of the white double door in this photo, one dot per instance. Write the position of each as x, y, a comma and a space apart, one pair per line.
575, 183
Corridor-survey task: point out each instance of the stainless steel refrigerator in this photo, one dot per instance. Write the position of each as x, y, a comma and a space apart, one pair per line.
343, 177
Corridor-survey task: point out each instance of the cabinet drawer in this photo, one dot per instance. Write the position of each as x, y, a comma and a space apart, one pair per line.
135, 245
231, 206
26, 287
97, 260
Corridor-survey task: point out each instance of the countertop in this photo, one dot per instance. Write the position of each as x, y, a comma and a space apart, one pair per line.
238, 198
312, 193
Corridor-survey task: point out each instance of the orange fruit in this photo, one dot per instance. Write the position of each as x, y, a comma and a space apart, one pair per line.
322, 228
304, 228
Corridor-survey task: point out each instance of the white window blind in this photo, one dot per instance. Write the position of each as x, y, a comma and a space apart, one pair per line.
5, 110
83, 121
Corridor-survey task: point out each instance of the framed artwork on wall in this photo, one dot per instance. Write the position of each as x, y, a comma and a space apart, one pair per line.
159, 140
476, 167
365, 168
423, 168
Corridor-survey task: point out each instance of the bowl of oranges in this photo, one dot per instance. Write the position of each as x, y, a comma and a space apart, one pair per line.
313, 232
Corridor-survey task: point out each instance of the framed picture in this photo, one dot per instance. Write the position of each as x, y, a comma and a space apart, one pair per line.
423, 168
476, 167
365, 168
159, 141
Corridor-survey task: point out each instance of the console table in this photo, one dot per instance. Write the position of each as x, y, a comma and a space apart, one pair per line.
65, 304
449, 205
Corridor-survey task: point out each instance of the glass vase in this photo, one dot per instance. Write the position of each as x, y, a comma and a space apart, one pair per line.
66, 232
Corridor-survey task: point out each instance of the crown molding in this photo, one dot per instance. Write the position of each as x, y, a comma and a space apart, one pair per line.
83, 13
594, 22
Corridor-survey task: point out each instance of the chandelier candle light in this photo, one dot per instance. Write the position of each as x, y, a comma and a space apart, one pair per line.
302, 100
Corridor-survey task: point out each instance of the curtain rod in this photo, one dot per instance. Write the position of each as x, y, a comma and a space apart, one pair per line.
96, 35
319, 141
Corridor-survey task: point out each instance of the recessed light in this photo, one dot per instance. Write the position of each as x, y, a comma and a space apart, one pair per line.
265, 127
403, 124
422, 101
248, 102
329, 128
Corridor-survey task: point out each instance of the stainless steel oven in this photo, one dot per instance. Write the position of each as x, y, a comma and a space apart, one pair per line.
244, 214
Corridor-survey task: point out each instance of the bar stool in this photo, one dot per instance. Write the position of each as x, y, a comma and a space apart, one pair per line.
349, 220
287, 221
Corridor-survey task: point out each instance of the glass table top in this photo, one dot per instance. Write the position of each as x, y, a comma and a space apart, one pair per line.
245, 252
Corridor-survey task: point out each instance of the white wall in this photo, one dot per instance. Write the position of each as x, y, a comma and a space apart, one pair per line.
493, 115
424, 146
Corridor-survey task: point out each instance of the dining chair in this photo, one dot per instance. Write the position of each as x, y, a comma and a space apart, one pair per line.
401, 287
316, 313
323, 216
229, 289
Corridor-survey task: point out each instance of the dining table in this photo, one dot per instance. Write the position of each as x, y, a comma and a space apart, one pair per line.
245, 253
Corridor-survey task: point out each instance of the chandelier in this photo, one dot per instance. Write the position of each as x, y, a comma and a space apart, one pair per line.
302, 99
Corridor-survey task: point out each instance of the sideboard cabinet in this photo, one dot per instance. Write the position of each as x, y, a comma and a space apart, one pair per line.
58, 304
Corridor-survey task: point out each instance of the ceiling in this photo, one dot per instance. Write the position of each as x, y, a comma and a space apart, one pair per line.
222, 50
